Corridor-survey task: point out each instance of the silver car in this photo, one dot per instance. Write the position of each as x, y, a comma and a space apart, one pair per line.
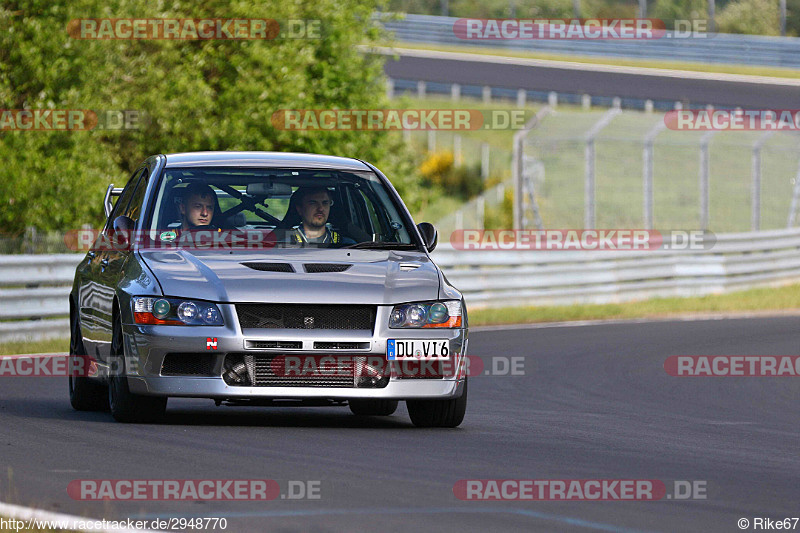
265, 279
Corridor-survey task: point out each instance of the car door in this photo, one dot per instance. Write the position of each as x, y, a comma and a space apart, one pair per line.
109, 263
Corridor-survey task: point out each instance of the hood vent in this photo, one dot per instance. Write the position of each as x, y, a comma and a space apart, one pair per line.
270, 267
408, 267
319, 268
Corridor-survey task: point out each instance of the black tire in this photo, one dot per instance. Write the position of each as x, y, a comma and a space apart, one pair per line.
438, 413
84, 393
126, 406
373, 407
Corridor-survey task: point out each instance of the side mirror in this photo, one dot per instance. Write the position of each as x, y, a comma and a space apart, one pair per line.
123, 228
429, 235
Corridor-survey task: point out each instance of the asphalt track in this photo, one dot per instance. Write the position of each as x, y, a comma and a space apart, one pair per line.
594, 403
689, 88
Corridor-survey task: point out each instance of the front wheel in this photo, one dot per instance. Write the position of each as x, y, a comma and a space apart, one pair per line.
438, 413
126, 406
84, 394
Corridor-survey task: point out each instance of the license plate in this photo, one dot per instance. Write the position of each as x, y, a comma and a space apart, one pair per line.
417, 349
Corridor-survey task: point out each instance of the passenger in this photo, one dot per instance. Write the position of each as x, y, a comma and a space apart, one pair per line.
313, 204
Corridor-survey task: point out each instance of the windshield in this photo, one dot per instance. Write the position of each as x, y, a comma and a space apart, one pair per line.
289, 208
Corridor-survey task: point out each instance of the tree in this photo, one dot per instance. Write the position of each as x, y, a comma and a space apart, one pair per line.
196, 95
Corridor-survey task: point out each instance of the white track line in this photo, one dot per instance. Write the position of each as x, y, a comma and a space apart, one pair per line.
28, 514
591, 67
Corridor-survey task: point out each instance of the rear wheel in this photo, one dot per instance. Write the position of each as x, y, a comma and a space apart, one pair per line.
438, 413
126, 406
373, 407
84, 394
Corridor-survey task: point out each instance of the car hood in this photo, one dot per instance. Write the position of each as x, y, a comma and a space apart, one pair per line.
374, 277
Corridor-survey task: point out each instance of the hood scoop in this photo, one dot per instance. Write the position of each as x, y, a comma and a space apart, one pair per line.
270, 267
319, 268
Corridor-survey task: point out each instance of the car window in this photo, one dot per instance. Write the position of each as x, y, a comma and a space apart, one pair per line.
134, 208
361, 208
124, 199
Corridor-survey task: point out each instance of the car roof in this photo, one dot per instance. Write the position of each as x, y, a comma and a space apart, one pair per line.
263, 159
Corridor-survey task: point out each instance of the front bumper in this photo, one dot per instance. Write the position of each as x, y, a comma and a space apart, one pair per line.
147, 346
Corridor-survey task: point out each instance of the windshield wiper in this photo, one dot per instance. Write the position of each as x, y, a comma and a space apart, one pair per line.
382, 245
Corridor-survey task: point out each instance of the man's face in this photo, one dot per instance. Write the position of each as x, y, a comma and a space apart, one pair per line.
314, 209
198, 210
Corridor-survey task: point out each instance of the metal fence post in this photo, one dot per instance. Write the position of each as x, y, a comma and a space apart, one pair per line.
457, 159
795, 196
755, 184
421, 88
455, 92
589, 216
589, 185
431, 140
704, 182
485, 160
647, 180
517, 162
487, 94
521, 97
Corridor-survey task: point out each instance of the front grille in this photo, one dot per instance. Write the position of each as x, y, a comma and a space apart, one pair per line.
317, 268
270, 267
270, 316
341, 346
270, 370
188, 364
264, 345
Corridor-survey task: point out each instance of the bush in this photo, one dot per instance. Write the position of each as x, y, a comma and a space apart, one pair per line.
757, 17
670, 10
439, 171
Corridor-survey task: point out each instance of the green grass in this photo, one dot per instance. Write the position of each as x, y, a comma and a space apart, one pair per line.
761, 299
748, 70
48, 346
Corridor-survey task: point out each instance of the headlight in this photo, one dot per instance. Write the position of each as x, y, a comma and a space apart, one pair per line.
426, 315
175, 312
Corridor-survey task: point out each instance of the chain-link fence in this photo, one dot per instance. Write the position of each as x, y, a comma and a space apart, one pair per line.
624, 169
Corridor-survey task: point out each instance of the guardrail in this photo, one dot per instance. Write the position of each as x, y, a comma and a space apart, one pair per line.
511, 278
488, 278
714, 48
35, 290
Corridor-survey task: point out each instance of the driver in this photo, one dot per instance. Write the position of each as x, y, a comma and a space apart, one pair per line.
313, 204
198, 207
